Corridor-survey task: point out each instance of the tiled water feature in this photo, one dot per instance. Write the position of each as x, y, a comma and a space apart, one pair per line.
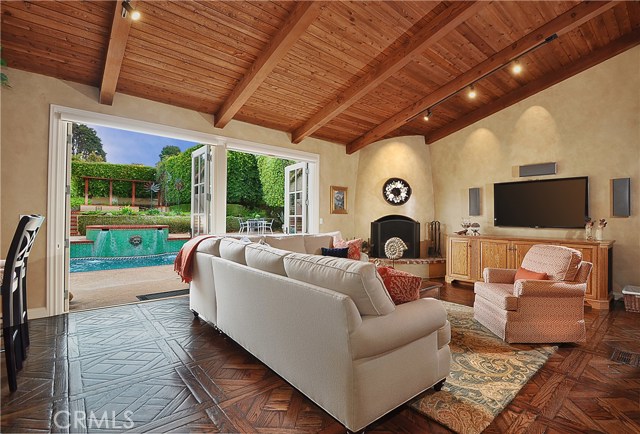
112, 241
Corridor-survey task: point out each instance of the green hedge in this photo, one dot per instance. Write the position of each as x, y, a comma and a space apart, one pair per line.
243, 179
99, 188
177, 224
174, 177
272, 179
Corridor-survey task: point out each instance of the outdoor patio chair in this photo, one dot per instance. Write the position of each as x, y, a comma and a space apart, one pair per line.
244, 225
15, 326
266, 225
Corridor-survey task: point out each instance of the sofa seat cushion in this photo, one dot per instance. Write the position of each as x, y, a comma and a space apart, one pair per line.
292, 243
210, 246
265, 258
233, 250
314, 243
358, 280
499, 294
559, 262
402, 286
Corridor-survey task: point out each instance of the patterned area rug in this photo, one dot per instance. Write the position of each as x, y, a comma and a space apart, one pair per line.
486, 374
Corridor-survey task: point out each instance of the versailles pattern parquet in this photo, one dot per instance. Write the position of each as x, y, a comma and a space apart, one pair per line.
152, 367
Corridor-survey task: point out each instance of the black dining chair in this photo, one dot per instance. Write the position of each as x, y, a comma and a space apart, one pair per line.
15, 327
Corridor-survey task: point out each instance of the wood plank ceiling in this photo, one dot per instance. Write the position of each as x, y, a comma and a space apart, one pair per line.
347, 72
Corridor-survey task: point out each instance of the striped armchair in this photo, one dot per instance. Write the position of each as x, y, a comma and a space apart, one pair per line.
536, 311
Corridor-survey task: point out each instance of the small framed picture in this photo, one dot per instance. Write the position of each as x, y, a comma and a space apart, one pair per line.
338, 200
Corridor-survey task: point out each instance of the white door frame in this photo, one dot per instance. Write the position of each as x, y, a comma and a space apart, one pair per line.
59, 162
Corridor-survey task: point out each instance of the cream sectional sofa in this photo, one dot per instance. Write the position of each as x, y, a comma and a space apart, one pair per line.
326, 325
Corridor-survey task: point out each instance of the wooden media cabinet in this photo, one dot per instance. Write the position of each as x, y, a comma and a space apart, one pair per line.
467, 256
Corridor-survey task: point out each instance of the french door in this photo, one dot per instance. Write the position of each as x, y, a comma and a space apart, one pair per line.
201, 191
296, 203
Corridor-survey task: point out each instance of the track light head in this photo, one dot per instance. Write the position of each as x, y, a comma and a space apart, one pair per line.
427, 115
517, 67
127, 9
472, 92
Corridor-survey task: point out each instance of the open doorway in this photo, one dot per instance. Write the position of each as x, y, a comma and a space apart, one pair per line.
257, 193
130, 206
212, 207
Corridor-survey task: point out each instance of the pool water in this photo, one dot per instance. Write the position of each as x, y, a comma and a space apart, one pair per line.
98, 264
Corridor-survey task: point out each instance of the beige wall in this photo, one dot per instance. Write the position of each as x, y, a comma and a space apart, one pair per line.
402, 157
589, 124
25, 141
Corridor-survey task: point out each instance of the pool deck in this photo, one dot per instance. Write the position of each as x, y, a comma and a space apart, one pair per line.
95, 289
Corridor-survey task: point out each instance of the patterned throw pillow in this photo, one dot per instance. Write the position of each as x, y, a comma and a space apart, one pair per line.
401, 286
338, 253
355, 247
525, 274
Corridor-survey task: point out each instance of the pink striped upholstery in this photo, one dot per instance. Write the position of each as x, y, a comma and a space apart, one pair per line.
536, 311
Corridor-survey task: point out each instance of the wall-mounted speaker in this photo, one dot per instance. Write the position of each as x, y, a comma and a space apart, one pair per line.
538, 169
474, 201
621, 197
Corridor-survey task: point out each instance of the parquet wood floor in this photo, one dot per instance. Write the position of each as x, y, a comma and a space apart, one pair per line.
152, 367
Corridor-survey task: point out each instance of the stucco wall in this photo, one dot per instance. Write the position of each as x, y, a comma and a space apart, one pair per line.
402, 157
588, 124
25, 141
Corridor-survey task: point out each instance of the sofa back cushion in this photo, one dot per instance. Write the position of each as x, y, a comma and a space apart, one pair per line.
266, 258
292, 243
313, 244
233, 250
559, 262
210, 246
358, 280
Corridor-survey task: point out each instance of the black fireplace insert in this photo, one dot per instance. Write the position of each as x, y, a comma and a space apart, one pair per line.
405, 228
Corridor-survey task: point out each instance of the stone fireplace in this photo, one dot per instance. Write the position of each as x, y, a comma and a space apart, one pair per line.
405, 228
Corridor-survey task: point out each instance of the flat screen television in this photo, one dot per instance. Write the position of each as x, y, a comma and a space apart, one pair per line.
548, 203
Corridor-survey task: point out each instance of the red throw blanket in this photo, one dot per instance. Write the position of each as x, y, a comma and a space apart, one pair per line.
183, 265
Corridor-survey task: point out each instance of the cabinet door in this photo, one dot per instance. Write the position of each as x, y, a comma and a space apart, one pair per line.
459, 258
493, 254
518, 249
588, 255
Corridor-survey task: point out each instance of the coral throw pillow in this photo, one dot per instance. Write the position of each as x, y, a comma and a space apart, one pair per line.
401, 286
525, 274
355, 247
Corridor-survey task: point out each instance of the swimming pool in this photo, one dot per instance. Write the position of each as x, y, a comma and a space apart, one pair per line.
97, 264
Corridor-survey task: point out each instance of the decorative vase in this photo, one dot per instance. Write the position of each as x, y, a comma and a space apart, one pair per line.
588, 235
598, 234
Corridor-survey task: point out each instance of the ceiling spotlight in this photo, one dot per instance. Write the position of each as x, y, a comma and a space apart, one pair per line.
427, 116
472, 92
516, 68
128, 9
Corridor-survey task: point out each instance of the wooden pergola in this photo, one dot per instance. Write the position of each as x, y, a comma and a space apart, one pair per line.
133, 188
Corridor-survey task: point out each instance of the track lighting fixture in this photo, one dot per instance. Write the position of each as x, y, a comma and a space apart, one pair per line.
127, 9
513, 63
517, 67
472, 92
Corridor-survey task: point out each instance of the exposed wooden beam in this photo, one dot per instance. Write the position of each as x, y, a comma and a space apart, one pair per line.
613, 49
303, 14
562, 24
429, 34
115, 53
